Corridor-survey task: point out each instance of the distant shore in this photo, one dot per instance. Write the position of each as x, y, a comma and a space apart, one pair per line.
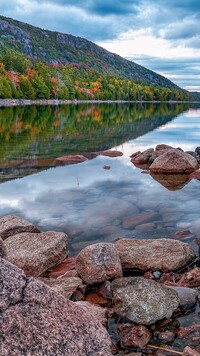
19, 102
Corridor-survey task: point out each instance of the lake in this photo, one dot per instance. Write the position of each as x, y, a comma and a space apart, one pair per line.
87, 201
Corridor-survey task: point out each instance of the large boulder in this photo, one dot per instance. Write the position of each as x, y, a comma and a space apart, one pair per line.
12, 225
37, 321
99, 262
160, 254
143, 301
174, 161
36, 252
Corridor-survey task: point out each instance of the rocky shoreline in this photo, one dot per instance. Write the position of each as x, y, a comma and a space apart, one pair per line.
19, 102
112, 298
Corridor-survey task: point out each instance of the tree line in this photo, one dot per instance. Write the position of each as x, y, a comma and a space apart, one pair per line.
23, 78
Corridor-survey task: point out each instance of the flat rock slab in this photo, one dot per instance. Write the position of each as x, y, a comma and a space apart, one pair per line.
3, 252
160, 254
64, 285
174, 161
143, 301
35, 253
12, 225
99, 262
37, 321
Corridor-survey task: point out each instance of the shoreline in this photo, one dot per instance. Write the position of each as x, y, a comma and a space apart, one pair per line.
27, 102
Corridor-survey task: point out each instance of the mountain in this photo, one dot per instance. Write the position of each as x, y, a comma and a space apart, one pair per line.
57, 48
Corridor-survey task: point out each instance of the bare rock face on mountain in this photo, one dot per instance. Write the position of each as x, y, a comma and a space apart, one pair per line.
37, 321
174, 161
36, 252
160, 254
143, 301
12, 225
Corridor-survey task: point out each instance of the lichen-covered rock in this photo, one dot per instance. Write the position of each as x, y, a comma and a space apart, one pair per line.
143, 301
99, 262
35, 253
3, 252
12, 225
159, 254
174, 161
37, 321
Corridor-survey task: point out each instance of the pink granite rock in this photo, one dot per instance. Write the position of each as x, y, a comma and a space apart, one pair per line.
12, 225
190, 352
195, 175
64, 285
174, 161
159, 254
143, 157
37, 321
110, 153
35, 253
134, 335
99, 262
3, 252
96, 310
70, 159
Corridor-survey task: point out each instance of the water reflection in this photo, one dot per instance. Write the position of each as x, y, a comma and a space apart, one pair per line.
92, 204
32, 137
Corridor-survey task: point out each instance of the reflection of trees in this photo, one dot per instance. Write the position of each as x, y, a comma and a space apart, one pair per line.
48, 131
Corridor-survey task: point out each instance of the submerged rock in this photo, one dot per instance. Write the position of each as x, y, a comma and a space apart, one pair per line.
12, 225
37, 321
99, 262
143, 301
35, 253
174, 161
157, 255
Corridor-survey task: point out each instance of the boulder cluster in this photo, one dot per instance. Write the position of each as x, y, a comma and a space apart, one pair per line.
52, 304
167, 160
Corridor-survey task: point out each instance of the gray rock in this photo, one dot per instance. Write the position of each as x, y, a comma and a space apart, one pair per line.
157, 255
12, 225
188, 297
99, 262
37, 321
36, 252
143, 301
3, 252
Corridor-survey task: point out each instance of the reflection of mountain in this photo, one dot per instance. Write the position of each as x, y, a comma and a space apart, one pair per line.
31, 137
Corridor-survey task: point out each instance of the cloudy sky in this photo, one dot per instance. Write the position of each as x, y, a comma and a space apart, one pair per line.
162, 35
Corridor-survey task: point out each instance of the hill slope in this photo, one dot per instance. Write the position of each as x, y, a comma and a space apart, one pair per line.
58, 48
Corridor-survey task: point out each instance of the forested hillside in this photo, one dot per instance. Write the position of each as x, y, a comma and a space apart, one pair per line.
40, 64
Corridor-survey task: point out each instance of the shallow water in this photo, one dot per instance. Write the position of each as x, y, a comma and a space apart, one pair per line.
88, 202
